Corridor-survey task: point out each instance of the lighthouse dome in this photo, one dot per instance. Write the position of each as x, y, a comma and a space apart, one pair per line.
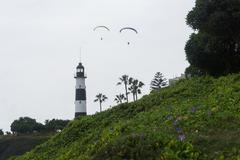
80, 71
80, 66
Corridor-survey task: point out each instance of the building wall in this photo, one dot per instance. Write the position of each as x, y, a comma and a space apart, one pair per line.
80, 107
80, 83
174, 80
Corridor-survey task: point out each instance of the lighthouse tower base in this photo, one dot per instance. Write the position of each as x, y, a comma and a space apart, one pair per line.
80, 114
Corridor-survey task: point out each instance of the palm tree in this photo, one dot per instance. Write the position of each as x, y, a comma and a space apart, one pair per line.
158, 81
100, 98
124, 80
138, 90
120, 98
135, 87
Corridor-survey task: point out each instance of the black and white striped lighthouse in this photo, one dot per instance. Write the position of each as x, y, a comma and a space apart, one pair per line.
80, 97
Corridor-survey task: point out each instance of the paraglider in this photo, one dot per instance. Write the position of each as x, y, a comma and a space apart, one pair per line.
101, 28
128, 29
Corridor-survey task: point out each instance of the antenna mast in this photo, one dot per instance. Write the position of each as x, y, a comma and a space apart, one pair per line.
80, 54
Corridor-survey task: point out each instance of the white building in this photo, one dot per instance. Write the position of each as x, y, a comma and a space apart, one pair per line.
174, 80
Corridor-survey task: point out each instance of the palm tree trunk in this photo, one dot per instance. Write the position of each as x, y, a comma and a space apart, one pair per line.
126, 91
136, 96
133, 97
100, 107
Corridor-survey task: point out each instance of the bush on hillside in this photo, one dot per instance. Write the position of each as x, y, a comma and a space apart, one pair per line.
26, 125
17, 145
193, 71
55, 124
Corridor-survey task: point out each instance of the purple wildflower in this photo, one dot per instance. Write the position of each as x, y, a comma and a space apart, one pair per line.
179, 130
181, 137
194, 109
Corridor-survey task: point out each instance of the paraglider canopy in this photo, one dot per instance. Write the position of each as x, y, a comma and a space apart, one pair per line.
130, 29
101, 27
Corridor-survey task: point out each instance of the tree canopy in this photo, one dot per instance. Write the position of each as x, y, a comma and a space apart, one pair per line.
100, 98
26, 125
120, 98
55, 124
135, 87
215, 47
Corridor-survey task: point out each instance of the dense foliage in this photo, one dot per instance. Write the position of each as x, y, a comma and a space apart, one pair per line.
55, 125
193, 71
196, 118
215, 47
26, 125
18, 145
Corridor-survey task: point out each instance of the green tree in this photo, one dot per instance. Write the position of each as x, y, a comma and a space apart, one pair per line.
39, 127
55, 124
26, 125
125, 81
120, 98
1, 132
100, 98
135, 87
193, 71
158, 81
215, 47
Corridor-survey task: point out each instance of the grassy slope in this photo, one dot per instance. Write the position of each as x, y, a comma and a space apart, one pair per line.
205, 110
18, 145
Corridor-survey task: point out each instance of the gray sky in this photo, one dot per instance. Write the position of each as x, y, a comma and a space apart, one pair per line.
40, 42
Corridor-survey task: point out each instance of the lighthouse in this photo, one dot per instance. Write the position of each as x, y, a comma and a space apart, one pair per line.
80, 95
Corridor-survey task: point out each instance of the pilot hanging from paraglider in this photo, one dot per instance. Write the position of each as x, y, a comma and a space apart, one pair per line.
128, 29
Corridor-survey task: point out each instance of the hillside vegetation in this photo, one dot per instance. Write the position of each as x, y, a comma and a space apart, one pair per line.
18, 145
197, 118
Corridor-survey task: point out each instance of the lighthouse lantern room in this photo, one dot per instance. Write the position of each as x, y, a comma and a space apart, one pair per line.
80, 96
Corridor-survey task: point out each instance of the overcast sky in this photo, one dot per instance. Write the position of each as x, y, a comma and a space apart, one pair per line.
40, 43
